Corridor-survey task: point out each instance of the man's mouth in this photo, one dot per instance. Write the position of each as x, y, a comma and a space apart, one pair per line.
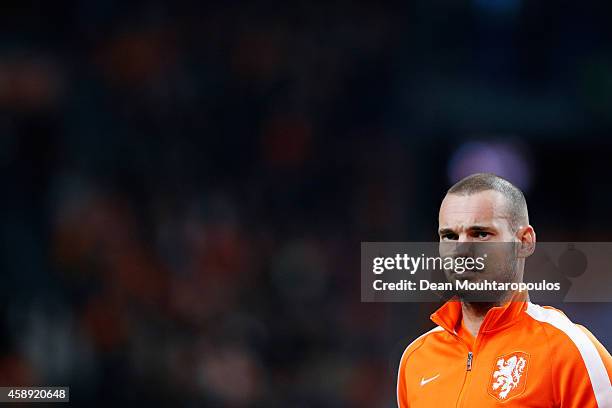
467, 275
466, 271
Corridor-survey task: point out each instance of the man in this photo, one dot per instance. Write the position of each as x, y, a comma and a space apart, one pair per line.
507, 351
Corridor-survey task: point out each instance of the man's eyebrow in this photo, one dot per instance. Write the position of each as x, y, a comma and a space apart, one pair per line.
445, 231
478, 228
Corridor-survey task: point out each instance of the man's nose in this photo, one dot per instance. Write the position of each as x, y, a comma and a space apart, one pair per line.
459, 248
463, 247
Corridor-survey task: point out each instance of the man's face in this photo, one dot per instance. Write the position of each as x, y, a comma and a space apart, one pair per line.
474, 225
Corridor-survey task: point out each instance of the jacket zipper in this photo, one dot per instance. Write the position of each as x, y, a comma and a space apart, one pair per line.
466, 377
468, 369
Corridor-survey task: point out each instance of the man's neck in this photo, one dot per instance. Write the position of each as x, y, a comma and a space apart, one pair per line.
474, 314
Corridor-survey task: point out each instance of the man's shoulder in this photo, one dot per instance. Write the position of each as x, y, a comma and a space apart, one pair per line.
564, 336
555, 323
421, 340
574, 349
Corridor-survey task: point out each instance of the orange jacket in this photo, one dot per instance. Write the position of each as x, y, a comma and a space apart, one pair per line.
524, 355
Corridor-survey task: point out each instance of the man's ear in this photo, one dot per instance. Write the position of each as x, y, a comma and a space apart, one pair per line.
527, 241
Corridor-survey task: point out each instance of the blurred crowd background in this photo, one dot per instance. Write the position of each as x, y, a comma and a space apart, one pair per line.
187, 183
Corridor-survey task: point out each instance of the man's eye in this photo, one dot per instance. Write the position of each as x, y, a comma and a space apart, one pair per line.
449, 237
482, 234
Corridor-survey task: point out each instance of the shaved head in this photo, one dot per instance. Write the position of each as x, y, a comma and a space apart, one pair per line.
516, 206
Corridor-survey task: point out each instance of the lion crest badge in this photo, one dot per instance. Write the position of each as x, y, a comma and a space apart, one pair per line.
509, 376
